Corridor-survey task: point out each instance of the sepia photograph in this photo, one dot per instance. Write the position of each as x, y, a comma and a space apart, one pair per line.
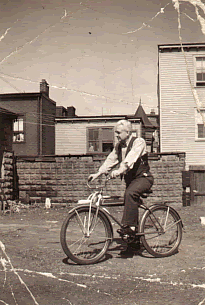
102, 152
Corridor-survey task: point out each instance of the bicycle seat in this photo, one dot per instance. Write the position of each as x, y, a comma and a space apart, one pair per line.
146, 194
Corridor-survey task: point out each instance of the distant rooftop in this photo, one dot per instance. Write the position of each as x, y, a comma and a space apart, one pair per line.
140, 113
44, 89
177, 47
68, 114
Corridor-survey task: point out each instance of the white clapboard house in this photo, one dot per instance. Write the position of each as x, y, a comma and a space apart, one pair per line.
79, 135
181, 76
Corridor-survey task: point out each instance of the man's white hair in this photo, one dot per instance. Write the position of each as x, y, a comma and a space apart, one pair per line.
127, 126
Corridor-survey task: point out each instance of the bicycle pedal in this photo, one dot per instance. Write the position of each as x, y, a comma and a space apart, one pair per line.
126, 232
120, 232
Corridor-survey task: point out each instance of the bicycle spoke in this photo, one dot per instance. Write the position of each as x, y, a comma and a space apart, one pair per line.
161, 231
80, 222
86, 235
172, 224
83, 239
167, 215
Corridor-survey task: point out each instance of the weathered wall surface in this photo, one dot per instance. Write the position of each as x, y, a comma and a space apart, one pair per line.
63, 178
48, 126
7, 174
20, 106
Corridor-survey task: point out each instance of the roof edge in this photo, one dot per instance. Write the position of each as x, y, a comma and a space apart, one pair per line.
94, 118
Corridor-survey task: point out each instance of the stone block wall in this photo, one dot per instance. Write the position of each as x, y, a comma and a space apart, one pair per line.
63, 178
7, 174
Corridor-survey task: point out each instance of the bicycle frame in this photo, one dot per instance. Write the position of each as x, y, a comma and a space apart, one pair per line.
142, 206
98, 200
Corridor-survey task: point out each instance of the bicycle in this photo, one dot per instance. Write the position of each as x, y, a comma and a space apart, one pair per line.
87, 232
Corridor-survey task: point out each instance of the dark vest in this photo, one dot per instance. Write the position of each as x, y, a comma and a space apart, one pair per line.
140, 167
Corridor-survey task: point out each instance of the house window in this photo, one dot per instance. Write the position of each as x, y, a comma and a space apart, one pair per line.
200, 71
18, 130
199, 124
201, 131
100, 139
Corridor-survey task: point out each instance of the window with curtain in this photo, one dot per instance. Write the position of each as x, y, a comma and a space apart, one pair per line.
200, 71
18, 130
100, 139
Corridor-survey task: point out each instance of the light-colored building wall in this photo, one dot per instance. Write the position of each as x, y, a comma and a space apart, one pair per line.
178, 107
71, 135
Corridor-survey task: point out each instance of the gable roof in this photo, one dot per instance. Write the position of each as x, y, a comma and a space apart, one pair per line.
140, 114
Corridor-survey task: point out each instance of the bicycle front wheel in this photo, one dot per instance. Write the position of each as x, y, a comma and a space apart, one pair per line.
86, 235
162, 230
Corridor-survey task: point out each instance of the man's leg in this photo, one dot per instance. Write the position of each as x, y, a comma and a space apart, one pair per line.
131, 199
130, 214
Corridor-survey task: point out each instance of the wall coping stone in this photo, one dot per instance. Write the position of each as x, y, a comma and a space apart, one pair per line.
89, 157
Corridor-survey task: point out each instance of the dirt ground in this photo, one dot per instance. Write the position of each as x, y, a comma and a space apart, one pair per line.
34, 269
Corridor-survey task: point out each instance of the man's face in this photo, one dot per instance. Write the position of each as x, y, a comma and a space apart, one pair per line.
121, 134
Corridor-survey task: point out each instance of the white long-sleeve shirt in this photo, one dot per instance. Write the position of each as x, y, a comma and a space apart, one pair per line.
138, 149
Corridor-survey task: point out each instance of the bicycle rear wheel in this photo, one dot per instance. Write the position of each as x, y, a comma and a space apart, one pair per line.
162, 230
85, 237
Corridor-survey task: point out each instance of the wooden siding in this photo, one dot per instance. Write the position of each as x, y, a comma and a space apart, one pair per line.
71, 137
177, 106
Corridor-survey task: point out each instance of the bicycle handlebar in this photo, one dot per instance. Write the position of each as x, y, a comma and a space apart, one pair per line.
102, 186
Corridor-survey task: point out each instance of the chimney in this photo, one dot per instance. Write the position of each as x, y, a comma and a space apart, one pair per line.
152, 112
61, 111
44, 87
71, 112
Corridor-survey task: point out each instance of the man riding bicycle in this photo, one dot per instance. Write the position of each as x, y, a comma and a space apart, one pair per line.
131, 155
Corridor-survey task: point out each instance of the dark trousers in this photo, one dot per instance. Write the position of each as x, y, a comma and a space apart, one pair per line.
131, 199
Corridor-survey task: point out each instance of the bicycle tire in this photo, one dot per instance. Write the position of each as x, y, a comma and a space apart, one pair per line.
161, 227
76, 244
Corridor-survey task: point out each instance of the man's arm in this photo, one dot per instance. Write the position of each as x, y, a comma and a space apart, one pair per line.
110, 162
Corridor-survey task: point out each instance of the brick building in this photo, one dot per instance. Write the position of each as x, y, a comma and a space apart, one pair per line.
6, 129
34, 129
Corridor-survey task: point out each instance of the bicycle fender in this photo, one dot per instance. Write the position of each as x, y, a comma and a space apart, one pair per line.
78, 207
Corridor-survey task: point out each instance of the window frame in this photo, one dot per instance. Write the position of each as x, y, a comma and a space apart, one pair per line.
20, 116
197, 82
99, 128
198, 121
203, 131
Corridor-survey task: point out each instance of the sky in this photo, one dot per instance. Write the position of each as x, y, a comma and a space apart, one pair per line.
99, 56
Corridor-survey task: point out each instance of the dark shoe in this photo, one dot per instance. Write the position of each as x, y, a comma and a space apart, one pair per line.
136, 246
126, 230
128, 252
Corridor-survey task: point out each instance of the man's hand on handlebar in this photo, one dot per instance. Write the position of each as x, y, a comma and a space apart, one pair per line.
93, 177
114, 174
